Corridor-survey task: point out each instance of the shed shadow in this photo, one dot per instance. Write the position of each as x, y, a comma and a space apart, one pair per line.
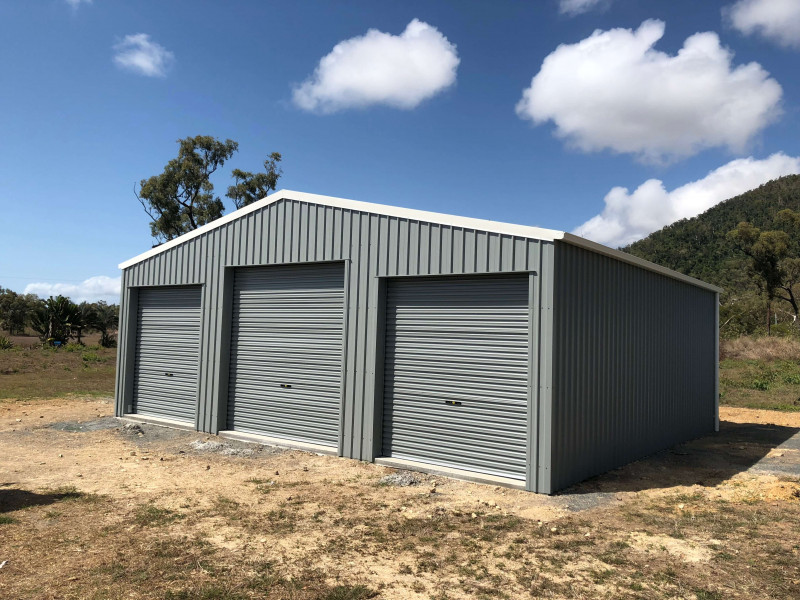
12, 499
706, 461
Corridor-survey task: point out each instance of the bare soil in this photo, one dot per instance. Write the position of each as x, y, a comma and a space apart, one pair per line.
90, 508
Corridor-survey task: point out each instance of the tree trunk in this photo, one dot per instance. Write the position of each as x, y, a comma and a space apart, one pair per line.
769, 323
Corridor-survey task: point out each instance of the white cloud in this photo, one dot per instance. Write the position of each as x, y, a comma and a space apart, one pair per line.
76, 3
379, 68
614, 91
138, 53
576, 7
91, 290
628, 217
777, 20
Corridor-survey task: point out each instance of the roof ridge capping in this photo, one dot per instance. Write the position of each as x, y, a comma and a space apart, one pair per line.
526, 231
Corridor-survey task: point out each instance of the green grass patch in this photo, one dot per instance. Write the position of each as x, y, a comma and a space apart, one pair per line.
760, 384
350, 592
151, 516
48, 372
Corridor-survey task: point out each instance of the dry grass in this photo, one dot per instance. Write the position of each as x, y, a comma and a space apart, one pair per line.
49, 372
103, 515
760, 372
770, 385
701, 550
760, 348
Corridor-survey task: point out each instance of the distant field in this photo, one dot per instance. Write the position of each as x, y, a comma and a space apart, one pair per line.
760, 373
30, 372
760, 384
754, 372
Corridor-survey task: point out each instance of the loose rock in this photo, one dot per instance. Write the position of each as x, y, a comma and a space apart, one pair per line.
403, 479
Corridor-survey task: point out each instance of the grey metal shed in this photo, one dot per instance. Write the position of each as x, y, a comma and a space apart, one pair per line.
503, 353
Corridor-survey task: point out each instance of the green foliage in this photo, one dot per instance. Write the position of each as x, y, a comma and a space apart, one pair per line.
774, 256
15, 310
5, 343
251, 187
182, 198
105, 319
81, 319
59, 319
54, 319
702, 247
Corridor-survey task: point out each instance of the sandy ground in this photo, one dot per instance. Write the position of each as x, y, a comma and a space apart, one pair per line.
49, 444
46, 451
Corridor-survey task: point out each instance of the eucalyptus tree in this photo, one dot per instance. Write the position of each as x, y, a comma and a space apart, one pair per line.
181, 198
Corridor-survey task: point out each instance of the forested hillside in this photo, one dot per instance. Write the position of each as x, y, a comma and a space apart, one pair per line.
701, 247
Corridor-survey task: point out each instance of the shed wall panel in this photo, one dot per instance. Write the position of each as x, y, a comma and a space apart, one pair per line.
634, 363
372, 246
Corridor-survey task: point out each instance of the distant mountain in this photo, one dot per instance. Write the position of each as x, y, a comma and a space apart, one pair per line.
699, 246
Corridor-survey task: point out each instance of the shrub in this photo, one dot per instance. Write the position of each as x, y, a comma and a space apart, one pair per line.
5, 343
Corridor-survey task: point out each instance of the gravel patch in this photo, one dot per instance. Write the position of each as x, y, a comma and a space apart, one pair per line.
223, 448
401, 479
86, 426
131, 429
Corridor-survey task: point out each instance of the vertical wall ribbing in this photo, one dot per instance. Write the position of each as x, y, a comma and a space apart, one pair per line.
634, 368
372, 246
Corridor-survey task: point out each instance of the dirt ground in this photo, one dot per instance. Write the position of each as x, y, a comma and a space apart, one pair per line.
90, 508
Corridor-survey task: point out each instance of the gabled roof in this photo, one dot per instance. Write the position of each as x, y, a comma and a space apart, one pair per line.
537, 233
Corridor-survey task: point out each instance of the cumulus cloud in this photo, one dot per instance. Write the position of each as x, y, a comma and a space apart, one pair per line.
138, 53
776, 20
90, 290
380, 68
628, 217
576, 7
614, 91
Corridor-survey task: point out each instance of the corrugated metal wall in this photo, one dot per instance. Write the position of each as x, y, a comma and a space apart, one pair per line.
634, 364
291, 231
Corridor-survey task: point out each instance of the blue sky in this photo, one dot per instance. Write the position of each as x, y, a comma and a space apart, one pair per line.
610, 118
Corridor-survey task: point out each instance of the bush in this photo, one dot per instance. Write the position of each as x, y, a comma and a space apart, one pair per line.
5, 343
92, 357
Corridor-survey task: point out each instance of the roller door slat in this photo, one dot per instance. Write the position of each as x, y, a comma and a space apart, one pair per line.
167, 353
456, 373
286, 352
